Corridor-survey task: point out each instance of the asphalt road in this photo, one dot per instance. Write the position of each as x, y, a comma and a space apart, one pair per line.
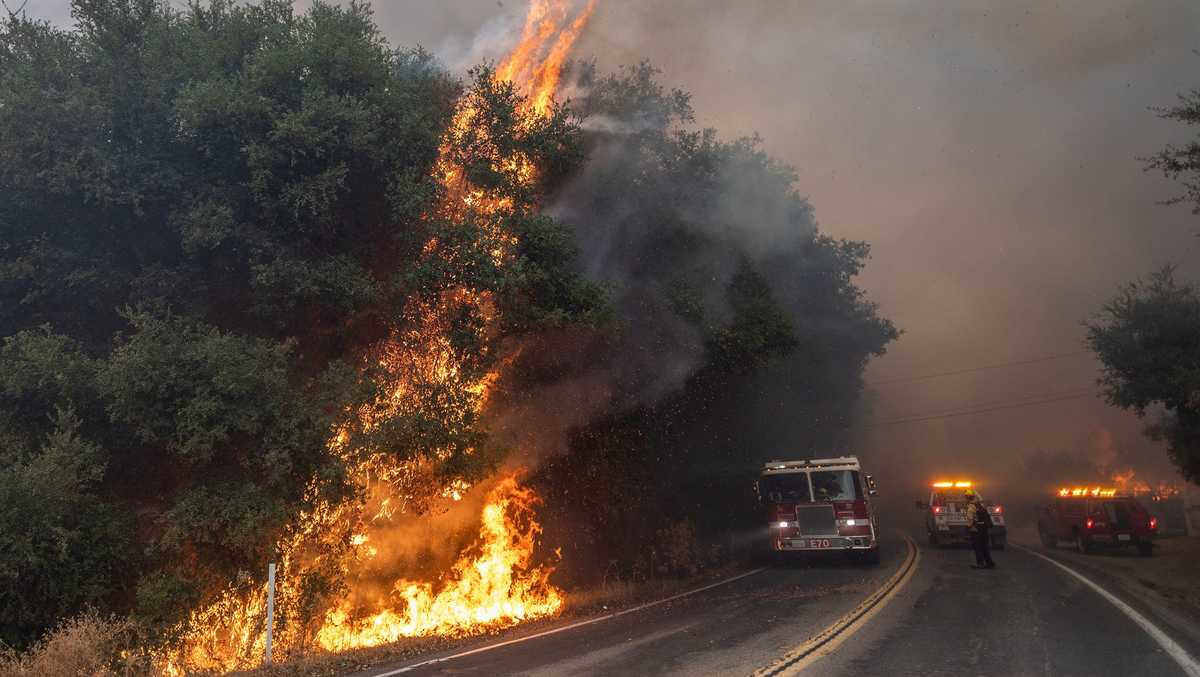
1027, 617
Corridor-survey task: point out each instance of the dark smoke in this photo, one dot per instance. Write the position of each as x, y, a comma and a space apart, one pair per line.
987, 152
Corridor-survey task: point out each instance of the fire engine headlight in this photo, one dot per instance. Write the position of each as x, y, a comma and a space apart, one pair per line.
851, 523
782, 525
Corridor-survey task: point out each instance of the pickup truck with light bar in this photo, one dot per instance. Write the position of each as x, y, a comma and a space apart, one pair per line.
1096, 517
823, 504
946, 514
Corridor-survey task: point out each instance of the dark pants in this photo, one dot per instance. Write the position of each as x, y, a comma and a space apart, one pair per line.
981, 540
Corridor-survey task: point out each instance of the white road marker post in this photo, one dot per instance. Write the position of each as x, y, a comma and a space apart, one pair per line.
270, 610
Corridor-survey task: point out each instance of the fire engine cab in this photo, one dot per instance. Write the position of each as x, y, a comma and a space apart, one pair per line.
822, 504
946, 514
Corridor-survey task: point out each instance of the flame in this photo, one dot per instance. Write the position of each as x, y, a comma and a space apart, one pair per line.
490, 587
1126, 483
535, 64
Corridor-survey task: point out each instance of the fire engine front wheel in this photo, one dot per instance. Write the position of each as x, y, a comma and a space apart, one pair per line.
1146, 549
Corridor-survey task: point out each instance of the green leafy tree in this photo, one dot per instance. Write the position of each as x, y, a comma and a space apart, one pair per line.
1148, 339
65, 548
1148, 336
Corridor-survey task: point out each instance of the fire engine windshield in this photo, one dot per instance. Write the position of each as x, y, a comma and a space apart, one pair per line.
835, 485
790, 488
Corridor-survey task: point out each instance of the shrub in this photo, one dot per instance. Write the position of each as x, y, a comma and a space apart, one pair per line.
84, 646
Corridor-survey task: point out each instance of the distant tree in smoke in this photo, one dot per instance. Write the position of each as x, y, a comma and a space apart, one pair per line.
1148, 336
1148, 339
1182, 163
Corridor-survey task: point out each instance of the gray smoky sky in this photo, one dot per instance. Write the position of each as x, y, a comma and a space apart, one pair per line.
986, 150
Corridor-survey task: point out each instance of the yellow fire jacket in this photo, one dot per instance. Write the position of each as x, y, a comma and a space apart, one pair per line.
972, 508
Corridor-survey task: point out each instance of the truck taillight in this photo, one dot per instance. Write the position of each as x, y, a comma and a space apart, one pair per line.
1091, 523
1153, 522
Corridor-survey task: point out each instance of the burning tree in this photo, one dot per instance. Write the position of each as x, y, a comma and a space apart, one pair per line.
266, 267
1148, 339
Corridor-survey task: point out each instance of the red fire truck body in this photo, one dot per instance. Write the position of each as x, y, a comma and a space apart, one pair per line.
1094, 517
823, 504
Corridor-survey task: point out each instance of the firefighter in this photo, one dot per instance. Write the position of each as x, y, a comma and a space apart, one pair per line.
979, 523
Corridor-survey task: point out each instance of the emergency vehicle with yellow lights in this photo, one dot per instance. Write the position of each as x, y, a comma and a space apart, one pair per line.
946, 514
1091, 517
822, 504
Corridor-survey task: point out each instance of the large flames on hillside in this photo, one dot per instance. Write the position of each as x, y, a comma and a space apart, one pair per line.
492, 585
496, 581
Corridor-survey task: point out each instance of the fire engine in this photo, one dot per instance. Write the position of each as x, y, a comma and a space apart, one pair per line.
1091, 517
946, 514
822, 504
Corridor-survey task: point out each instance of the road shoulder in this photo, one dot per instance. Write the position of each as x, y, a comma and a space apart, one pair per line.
1165, 587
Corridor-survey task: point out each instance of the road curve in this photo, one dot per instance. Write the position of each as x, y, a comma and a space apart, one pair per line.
1027, 617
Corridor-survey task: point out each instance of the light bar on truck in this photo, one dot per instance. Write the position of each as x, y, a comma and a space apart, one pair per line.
1094, 492
838, 463
960, 484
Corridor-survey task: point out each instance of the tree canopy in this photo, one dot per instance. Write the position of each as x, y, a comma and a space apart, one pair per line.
1148, 336
1148, 339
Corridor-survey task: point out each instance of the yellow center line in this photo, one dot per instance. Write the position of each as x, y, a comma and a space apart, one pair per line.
827, 641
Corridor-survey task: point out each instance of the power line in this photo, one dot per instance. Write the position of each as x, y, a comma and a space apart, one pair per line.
984, 410
1012, 399
1001, 365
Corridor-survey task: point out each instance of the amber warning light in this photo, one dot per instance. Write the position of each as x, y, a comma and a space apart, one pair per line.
961, 484
1096, 492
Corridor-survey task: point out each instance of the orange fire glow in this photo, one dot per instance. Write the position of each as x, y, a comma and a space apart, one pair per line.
493, 587
535, 64
1126, 483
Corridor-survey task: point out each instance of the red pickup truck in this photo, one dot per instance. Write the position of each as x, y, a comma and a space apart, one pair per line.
1096, 517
